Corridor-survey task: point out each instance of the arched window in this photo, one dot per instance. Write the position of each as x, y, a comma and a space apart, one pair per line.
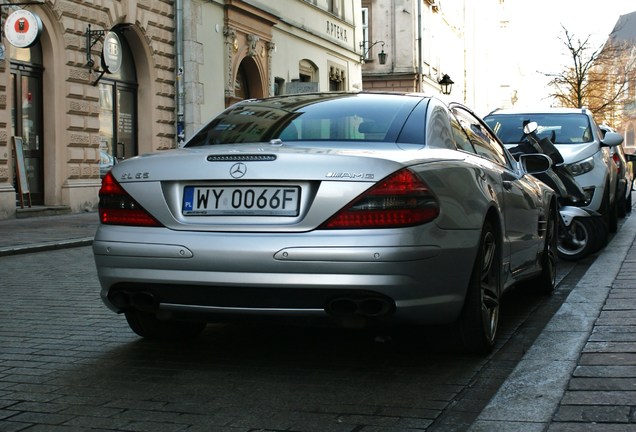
307, 80
307, 71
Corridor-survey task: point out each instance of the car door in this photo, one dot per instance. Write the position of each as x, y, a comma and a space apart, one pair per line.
518, 194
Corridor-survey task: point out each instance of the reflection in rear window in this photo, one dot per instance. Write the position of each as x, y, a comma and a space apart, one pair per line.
336, 117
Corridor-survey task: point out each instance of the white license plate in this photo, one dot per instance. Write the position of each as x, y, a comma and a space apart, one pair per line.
241, 200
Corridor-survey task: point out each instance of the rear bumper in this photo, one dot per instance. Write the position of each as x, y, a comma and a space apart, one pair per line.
213, 276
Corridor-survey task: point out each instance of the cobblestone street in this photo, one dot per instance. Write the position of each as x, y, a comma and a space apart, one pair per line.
67, 363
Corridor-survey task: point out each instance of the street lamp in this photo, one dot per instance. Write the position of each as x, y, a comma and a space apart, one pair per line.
446, 84
381, 56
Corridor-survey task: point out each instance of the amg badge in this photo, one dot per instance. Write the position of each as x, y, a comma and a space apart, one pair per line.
351, 175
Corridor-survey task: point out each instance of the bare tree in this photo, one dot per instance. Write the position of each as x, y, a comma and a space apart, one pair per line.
596, 78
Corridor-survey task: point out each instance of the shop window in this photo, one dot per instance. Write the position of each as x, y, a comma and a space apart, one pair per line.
27, 114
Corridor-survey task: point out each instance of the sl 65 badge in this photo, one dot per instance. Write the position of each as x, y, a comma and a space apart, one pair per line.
136, 176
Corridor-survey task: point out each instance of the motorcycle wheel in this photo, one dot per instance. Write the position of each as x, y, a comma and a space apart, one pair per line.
578, 240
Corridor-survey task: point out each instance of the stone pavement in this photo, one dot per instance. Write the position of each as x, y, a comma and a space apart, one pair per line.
47, 232
579, 375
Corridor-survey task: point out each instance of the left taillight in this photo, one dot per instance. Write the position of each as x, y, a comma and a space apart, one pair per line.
117, 207
400, 200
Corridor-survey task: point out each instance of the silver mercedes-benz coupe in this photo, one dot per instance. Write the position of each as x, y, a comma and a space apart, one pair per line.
341, 208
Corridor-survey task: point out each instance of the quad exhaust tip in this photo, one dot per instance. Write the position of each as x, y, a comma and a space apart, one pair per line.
142, 300
367, 306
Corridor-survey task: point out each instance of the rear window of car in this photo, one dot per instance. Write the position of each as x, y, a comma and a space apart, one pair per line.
561, 128
337, 118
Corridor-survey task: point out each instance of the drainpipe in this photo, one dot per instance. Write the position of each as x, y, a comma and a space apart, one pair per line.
180, 92
419, 46
393, 34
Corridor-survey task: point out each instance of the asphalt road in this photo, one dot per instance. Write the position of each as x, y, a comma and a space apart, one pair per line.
67, 363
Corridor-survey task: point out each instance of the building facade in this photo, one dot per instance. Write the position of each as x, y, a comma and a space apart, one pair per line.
237, 49
406, 31
624, 34
424, 40
105, 81
66, 112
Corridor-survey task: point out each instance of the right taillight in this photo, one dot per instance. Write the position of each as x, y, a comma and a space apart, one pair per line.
400, 200
117, 207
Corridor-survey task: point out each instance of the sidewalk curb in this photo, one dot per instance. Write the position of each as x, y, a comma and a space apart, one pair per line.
46, 246
529, 398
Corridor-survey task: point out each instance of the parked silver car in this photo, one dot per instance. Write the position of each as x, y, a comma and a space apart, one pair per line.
347, 208
625, 175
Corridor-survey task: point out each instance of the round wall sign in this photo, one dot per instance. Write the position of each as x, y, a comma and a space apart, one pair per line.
22, 28
111, 53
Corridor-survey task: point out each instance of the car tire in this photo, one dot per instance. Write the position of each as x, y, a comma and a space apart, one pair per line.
479, 319
610, 212
613, 220
621, 206
148, 326
546, 281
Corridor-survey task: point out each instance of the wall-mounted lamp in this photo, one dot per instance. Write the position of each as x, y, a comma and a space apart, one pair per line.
446, 84
381, 56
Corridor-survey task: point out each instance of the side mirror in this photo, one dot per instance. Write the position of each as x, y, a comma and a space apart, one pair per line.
612, 139
534, 163
529, 127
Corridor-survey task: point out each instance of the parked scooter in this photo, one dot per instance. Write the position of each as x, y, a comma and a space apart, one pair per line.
581, 231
